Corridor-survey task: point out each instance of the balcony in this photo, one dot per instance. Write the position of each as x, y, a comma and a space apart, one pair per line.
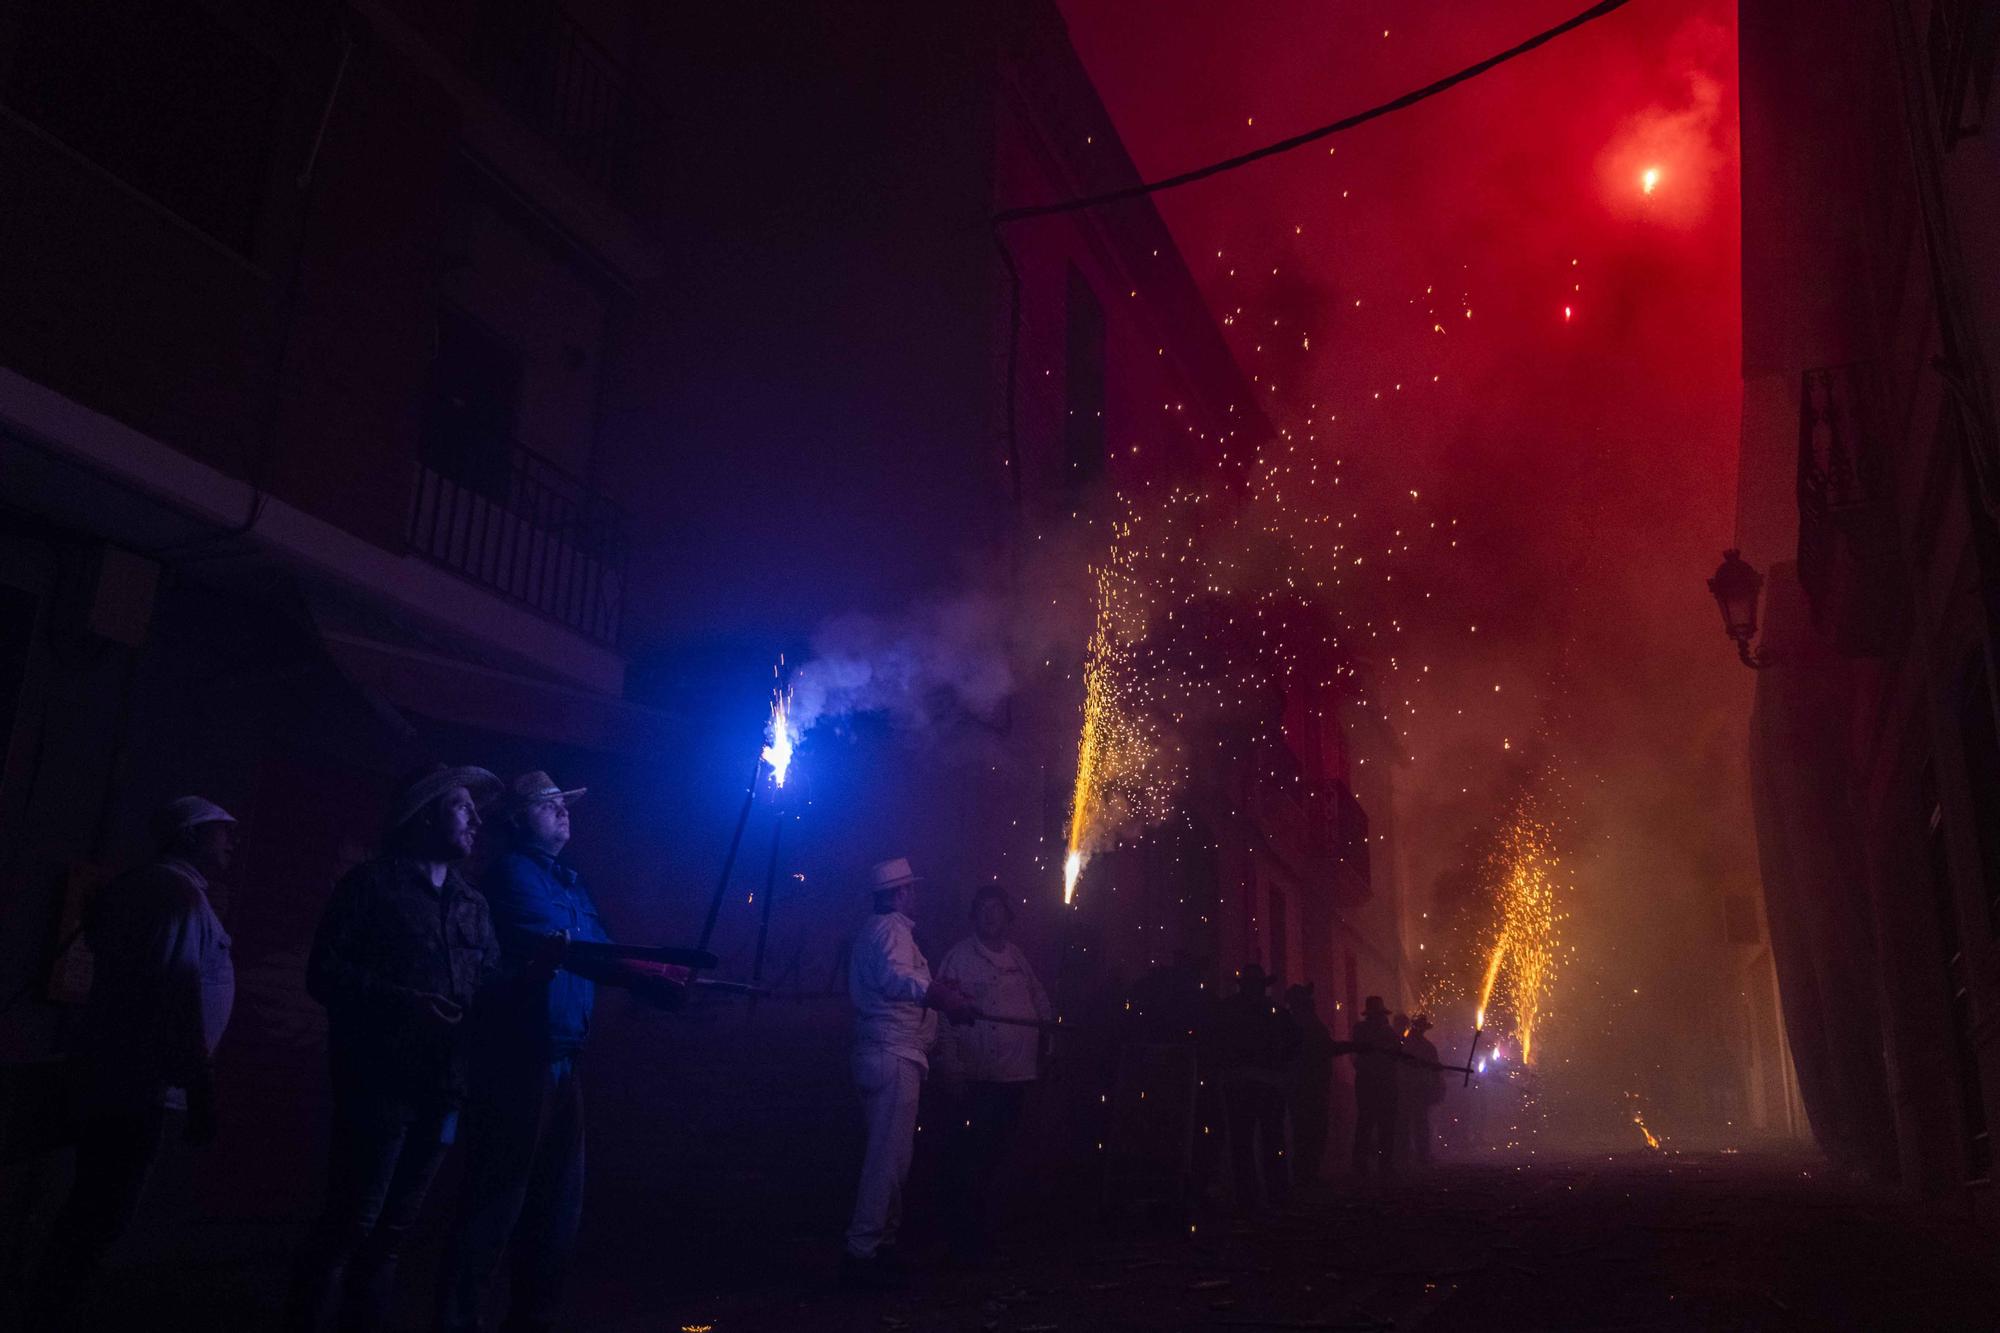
504, 517
1340, 835
555, 79
1846, 536
1964, 35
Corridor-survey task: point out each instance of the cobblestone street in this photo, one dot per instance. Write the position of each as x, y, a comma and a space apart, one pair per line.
1694, 1242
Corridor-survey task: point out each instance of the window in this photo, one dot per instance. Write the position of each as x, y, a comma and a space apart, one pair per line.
1976, 1141
469, 416
159, 94
1982, 775
1083, 427
17, 630
1963, 38
1277, 928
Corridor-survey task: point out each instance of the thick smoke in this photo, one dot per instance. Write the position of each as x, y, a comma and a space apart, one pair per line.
941, 659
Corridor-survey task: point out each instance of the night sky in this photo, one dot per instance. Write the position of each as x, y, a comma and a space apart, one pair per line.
1580, 424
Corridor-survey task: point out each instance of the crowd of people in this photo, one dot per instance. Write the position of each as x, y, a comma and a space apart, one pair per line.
453, 1012
1274, 1078
459, 1012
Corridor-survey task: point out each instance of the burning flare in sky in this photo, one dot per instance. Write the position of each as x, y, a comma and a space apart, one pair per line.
778, 754
1648, 179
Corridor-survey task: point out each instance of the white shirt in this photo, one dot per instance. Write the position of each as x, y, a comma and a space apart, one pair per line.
1001, 983
888, 979
210, 944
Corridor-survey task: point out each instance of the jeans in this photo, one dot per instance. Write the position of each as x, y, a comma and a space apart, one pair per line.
1257, 1137
378, 1171
1417, 1129
979, 1128
889, 1084
115, 1150
1309, 1133
1374, 1131
523, 1185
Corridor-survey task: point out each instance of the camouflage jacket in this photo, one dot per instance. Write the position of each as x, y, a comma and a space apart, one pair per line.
387, 935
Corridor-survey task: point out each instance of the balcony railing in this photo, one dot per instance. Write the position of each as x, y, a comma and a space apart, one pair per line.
1964, 35
505, 517
1844, 519
1340, 830
543, 67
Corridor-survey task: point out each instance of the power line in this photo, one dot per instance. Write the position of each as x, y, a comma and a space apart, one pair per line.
1408, 99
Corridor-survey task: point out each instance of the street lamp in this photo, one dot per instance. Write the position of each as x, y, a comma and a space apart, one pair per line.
1736, 587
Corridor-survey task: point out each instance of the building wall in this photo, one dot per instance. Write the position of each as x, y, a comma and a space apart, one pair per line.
1865, 214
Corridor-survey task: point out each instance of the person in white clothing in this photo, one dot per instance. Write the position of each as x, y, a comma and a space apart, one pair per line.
986, 1067
162, 986
893, 994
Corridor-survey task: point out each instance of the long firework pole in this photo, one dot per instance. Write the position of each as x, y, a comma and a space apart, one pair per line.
729, 861
1472, 1055
764, 920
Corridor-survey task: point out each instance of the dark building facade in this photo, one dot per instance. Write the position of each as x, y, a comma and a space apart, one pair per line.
1871, 289
387, 381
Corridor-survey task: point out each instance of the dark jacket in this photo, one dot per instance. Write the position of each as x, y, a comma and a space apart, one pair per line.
1375, 1062
388, 934
1254, 1036
531, 894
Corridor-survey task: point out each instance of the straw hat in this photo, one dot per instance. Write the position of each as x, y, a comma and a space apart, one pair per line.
427, 786
891, 874
185, 812
534, 787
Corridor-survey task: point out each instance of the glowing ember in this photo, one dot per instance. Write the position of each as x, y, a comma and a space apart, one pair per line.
778, 754
1649, 178
1651, 1141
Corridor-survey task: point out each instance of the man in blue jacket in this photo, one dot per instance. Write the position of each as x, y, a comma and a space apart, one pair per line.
524, 1127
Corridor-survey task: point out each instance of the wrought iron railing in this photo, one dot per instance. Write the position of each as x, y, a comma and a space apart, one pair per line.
1964, 35
504, 516
1845, 533
1339, 827
543, 67
1830, 479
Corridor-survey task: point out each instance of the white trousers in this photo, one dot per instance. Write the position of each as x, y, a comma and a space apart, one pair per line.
889, 1085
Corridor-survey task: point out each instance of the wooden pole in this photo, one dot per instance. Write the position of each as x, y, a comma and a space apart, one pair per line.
729, 861
764, 921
